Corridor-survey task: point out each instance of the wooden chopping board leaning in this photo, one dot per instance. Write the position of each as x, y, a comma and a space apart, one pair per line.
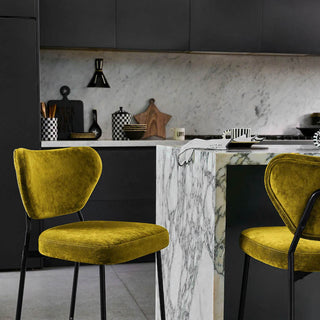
156, 121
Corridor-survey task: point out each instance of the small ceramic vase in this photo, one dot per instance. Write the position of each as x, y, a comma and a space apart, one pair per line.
95, 128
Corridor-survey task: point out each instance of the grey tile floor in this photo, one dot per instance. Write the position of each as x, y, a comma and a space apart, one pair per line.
130, 293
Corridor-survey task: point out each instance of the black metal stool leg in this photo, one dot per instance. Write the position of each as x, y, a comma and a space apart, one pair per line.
291, 287
21, 285
103, 292
160, 284
244, 286
23, 268
74, 290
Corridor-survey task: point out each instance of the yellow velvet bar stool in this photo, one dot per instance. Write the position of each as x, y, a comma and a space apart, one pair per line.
292, 183
59, 182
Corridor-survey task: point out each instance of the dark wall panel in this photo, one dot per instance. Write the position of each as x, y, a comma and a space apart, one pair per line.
19, 126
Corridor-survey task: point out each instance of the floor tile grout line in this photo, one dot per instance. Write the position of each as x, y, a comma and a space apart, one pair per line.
115, 271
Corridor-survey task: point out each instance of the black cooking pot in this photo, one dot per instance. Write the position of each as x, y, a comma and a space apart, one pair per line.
309, 131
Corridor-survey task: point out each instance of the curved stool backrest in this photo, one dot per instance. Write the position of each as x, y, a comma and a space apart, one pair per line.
290, 179
56, 182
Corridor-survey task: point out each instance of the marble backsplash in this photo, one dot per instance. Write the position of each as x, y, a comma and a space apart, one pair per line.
205, 93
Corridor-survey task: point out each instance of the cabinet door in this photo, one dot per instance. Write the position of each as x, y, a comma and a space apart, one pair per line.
127, 185
19, 126
226, 25
77, 23
153, 24
291, 26
18, 8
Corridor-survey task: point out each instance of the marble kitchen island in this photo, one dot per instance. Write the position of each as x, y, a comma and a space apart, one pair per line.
191, 204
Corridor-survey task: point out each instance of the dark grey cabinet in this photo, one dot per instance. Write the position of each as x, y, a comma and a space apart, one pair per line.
153, 24
126, 189
291, 26
18, 8
122, 24
282, 26
226, 25
77, 23
127, 174
19, 127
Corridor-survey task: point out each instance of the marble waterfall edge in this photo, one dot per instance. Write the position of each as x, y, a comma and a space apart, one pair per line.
191, 204
185, 201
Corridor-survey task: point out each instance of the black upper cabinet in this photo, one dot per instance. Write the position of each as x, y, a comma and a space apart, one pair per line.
226, 25
19, 83
18, 8
153, 24
77, 23
276, 26
291, 26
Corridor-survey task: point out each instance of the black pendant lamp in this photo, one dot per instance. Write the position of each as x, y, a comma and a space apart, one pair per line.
98, 80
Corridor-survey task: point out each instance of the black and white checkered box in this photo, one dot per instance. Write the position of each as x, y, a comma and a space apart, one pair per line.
49, 129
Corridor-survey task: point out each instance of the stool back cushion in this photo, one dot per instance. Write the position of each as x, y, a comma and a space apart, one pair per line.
290, 179
56, 182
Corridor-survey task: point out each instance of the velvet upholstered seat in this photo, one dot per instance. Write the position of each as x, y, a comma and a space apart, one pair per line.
58, 182
292, 182
271, 245
102, 242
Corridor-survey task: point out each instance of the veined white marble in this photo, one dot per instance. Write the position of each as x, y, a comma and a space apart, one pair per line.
191, 204
204, 93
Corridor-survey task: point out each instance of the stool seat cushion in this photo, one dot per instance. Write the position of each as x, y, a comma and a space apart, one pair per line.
102, 242
270, 245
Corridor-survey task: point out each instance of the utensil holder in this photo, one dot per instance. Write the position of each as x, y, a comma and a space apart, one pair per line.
49, 129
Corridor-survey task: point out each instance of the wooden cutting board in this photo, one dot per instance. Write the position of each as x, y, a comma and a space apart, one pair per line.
156, 121
69, 114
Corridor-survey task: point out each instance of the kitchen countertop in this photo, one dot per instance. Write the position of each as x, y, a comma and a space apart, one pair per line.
148, 143
109, 143
191, 204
